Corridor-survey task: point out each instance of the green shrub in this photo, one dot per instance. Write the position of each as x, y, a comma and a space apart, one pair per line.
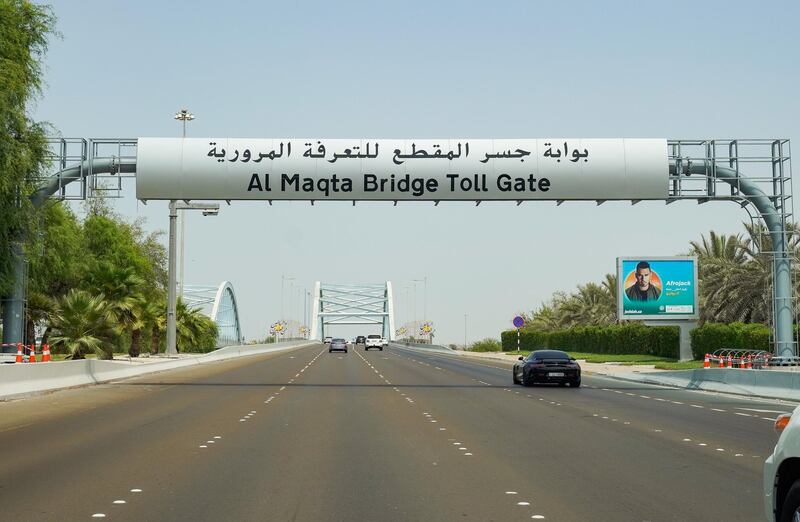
737, 336
486, 345
629, 338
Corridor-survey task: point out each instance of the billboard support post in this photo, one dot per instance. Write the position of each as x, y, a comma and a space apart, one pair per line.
685, 344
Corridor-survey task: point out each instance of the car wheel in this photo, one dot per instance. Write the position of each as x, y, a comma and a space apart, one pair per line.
381, 349
525, 380
576, 383
790, 510
330, 351
514, 376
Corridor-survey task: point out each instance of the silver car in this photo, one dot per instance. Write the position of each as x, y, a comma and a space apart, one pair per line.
337, 345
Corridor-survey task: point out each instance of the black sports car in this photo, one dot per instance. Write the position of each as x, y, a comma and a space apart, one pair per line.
546, 366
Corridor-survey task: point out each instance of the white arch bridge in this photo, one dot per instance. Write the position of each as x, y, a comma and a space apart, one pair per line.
219, 303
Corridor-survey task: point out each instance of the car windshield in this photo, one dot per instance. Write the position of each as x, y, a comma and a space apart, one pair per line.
339, 341
373, 336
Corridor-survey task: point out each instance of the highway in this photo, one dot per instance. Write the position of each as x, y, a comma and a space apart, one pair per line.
402, 434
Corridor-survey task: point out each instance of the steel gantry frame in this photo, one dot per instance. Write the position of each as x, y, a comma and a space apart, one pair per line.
352, 304
755, 173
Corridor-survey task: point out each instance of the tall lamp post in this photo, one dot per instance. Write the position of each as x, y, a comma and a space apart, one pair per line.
283, 281
208, 209
465, 332
183, 116
424, 280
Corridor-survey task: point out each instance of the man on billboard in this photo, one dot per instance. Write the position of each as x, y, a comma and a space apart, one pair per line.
642, 290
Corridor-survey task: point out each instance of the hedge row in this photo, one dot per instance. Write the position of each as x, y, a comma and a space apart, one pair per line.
737, 336
635, 338
631, 338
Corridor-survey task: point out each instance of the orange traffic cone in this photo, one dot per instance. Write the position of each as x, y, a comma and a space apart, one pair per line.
721, 362
19, 353
46, 353
749, 362
707, 362
32, 355
730, 362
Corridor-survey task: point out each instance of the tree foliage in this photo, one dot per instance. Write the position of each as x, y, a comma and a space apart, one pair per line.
25, 28
735, 284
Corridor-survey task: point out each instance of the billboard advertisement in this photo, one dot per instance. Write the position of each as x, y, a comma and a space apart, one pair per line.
401, 169
657, 288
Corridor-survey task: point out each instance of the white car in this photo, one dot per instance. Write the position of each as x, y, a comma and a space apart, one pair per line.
782, 472
374, 341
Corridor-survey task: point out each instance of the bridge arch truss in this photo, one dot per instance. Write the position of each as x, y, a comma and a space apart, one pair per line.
352, 304
219, 303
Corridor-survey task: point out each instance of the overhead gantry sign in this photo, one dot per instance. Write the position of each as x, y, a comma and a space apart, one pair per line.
374, 169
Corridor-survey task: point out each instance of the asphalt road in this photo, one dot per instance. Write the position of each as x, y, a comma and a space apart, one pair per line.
395, 435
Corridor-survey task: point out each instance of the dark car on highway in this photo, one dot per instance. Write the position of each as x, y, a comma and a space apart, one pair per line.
547, 366
336, 345
361, 339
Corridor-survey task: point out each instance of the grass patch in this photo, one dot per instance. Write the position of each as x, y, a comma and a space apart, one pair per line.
661, 363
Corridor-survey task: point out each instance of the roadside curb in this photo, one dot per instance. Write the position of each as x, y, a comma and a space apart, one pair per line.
22, 380
678, 382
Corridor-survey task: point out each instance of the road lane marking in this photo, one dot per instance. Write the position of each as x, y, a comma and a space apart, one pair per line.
99, 515
120, 501
762, 411
136, 490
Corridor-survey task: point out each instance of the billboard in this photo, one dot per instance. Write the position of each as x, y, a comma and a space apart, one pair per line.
657, 288
401, 169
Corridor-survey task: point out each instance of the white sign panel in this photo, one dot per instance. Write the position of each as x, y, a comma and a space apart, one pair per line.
402, 169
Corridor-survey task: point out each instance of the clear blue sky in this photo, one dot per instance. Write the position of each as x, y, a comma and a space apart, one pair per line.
420, 70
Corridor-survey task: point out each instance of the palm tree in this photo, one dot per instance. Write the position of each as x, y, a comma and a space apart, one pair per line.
153, 315
592, 305
121, 288
82, 324
195, 331
545, 319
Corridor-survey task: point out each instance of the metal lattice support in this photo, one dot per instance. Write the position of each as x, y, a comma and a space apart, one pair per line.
219, 303
352, 304
757, 175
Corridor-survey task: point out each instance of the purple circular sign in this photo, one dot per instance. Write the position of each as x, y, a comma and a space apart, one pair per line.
518, 321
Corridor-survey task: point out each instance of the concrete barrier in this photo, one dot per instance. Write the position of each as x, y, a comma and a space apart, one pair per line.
23, 379
774, 384
422, 346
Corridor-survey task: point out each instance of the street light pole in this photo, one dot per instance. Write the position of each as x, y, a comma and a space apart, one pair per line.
209, 209
283, 280
465, 332
171, 348
183, 116
425, 300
